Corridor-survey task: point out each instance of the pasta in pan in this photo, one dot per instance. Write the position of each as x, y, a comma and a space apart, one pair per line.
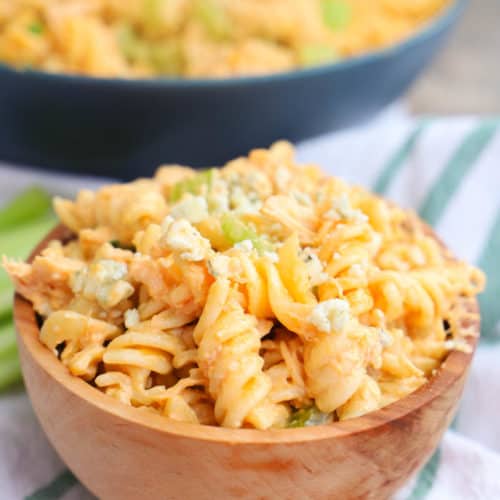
263, 294
200, 38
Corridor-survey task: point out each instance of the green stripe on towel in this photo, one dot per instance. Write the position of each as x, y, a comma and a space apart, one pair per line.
56, 488
397, 161
431, 210
426, 478
460, 163
489, 262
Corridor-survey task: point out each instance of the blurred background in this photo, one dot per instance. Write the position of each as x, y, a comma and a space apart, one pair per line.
465, 76
124, 128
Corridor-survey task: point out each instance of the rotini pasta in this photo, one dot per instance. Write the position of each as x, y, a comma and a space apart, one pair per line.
228, 354
262, 294
200, 38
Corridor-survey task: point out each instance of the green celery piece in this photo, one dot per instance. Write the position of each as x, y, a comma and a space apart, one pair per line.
313, 55
337, 14
166, 58
6, 298
20, 241
8, 345
10, 373
36, 28
5, 283
23, 223
214, 19
307, 417
152, 14
131, 46
125, 36
235, 230
10, 368
192, 185
28, 205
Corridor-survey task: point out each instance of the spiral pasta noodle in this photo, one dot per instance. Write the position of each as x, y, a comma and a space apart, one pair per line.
228, 353
284, 364
263, 294
124, 209
81, 338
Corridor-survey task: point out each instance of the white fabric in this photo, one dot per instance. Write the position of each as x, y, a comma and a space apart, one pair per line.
469, 466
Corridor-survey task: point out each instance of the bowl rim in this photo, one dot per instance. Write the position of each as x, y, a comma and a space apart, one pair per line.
454, 366
432, 27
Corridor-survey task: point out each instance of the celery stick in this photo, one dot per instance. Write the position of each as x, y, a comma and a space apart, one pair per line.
28, 205
20, 241
23, 223
6, 297
8, 346
10, 369
5, 283
10, 373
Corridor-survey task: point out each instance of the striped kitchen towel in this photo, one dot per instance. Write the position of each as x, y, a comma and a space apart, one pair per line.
446, 169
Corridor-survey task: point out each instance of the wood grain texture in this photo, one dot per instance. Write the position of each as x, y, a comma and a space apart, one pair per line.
120, 452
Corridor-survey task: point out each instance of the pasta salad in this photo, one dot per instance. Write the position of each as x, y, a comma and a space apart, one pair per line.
200, 38
263, 294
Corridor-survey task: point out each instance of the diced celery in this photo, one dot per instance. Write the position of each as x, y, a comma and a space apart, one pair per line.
125, 36
132, 47
166, 58
36, 28
307, 417
337, 14
193, 185
25, 207
152, 14
214, 19
313, 55
235, 231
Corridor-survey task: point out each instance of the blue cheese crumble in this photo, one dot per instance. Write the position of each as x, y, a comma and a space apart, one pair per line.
330, 316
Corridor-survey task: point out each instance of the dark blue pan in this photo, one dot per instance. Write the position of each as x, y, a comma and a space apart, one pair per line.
125, 128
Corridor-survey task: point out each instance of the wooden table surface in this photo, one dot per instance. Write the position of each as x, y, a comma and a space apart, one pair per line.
465, 77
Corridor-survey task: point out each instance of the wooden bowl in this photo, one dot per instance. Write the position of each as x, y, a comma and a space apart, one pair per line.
120, 452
